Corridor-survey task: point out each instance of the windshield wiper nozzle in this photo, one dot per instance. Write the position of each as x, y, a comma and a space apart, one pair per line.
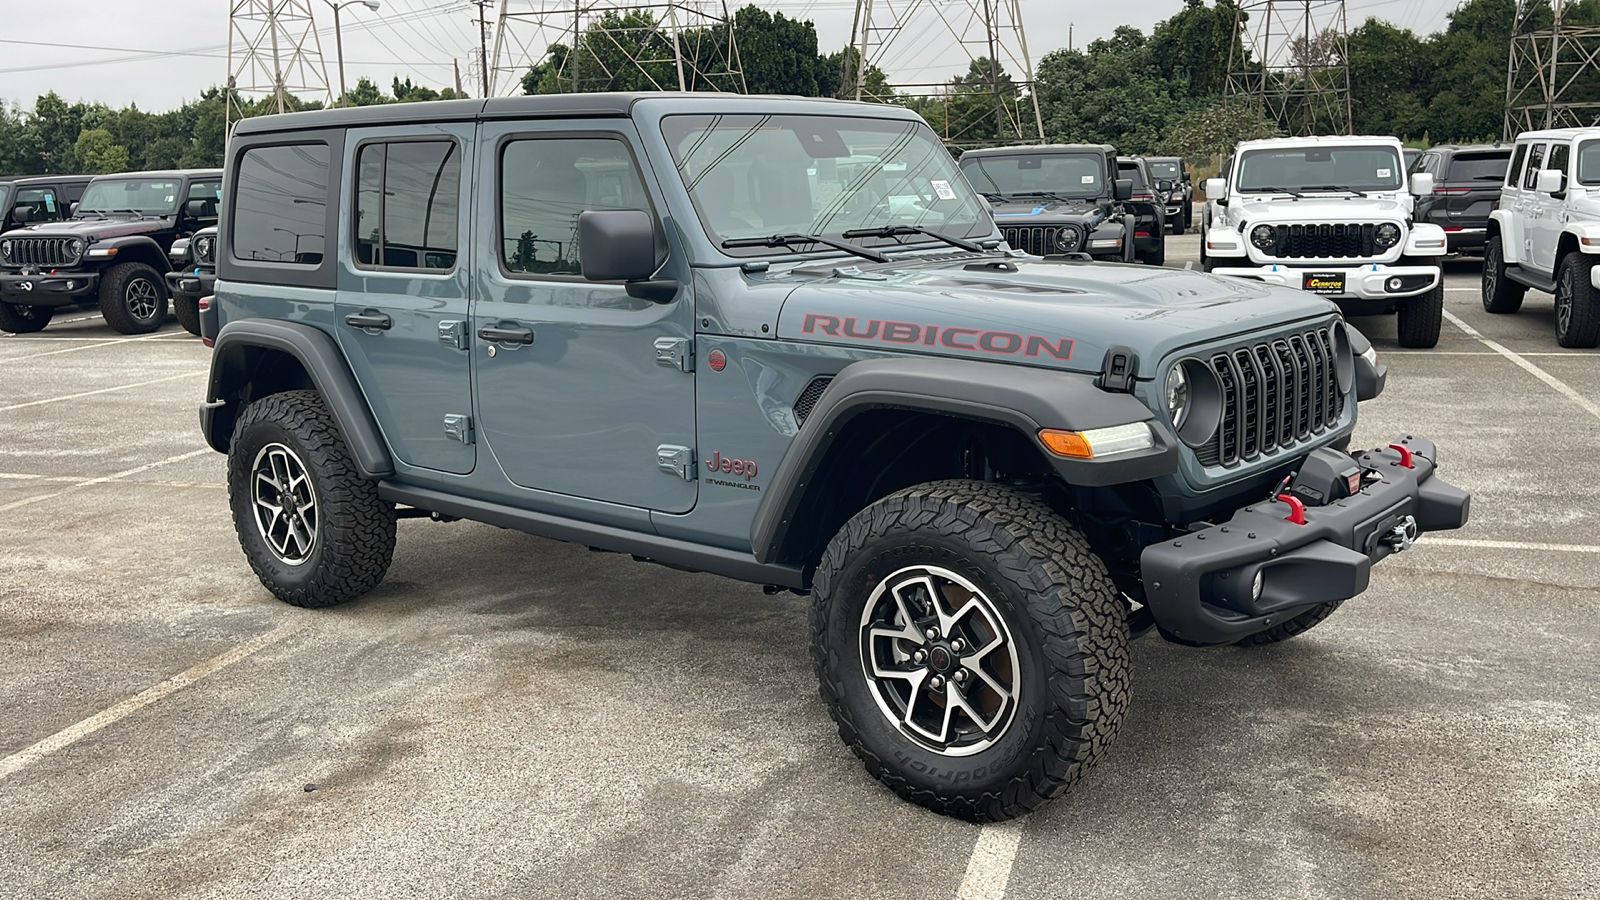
895, 231
789, 240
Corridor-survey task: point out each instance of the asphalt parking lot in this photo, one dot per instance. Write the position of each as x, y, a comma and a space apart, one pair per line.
508, 716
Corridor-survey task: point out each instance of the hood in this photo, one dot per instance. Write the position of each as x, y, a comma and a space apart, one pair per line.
96, 229
1040, 211
1061, 314
1336, 208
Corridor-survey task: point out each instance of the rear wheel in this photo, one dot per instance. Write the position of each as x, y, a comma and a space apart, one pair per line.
133, 298
1500, 294
1421, 316
1158, 256
1577, 303
971, 648
19, 319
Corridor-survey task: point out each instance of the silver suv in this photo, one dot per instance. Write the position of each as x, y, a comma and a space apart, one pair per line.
1546, 232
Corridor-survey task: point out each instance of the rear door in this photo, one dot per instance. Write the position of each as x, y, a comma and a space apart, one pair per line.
401, 315
1511, 201
1551, 217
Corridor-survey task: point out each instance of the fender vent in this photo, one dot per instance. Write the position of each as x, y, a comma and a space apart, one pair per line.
808, 398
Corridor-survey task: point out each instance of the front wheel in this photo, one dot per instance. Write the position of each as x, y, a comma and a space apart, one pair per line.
187, 309
1577, 303
19, 319
971, 648
1421, 317
133, 298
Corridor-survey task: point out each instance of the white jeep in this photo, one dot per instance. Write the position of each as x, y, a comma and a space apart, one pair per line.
1332, 216
1545, 233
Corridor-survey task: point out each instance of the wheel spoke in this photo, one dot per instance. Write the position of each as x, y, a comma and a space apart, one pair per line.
285, 497
1005, 695
955, 698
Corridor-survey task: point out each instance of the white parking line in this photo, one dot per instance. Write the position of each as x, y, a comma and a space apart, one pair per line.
103, 342
121, 387
1532, 369
1431, 540
73, 733
103, 479
989, 867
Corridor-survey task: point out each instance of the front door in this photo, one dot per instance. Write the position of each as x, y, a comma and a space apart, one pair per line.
1527, 206
579, 384
402, 305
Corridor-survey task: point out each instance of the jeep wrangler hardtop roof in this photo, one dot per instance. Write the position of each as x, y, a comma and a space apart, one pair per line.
1031, 149
161, 173
1558, 133
1319, 139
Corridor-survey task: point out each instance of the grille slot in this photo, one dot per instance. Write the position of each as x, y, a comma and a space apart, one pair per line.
1035, 240
37, 251
1324, 241
1275, 394
808, 398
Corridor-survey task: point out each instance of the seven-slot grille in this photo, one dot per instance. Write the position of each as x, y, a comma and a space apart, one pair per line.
41, 251
1323, 241
1039, 240
1275, 394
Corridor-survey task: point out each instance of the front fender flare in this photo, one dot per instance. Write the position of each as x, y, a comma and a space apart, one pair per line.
140, 242
1020, 397
322, 360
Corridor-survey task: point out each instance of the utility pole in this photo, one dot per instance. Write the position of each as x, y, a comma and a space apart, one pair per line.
483, 41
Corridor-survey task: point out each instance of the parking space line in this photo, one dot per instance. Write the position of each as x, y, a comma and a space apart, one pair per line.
102, 342
989, 867
123, 387
20, 760
104, 479
1529, 367
1432, 540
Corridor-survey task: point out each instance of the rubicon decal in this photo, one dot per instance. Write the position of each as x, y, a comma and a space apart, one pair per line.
1003, 343
720, 463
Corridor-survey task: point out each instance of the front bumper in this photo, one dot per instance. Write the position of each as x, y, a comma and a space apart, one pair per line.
47, 290
1369, 281
1200, 587
191, 283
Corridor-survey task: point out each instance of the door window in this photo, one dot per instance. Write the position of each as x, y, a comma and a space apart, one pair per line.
545, 183
1559, 155
208, 193
1530, 178
408, 199
41, 203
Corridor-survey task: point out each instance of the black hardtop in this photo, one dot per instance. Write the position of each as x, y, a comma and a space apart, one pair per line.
161, 173
23, 181
1037, 149
548, 106
1471, 148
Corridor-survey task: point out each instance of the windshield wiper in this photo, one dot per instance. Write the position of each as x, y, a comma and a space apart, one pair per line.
896, 231
1048, 195
1323, 187
789, 240
992, 197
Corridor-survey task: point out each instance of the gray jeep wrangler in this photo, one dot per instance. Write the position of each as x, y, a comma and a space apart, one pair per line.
778, 340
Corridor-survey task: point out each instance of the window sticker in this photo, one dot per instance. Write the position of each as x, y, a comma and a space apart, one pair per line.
50, 202
943, 189
1385, 173
171, 197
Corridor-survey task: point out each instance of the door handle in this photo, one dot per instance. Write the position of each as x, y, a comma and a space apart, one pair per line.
499, 334
368, 320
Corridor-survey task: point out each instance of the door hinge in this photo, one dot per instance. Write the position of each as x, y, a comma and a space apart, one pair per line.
677, 460
458, 427
675, 352
453, 333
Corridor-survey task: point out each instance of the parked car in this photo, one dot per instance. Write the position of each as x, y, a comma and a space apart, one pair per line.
1466, 186
33, 199
1545, 232
193, 276
1056, 199
112, 249
1332, 216
637, 322
1176, 189
1409, 157
1148, 209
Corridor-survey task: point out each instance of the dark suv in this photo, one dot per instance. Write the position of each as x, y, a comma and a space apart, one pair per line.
1466, 187
39, 198
193, 275
1057, 199
113, 249
1175, 188
1149, 211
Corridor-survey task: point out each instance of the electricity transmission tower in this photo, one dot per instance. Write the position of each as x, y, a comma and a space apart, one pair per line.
1551, 71
273, 51
897, 34
1295, 68
684, 45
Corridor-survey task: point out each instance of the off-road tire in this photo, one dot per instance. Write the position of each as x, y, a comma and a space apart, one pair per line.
1067, 622
1158, 256
354, 528
1577, 303
1298, 625
1129, 242
117, 296
1421, 317
187, 309
1176, 225
1500, 294
19, 319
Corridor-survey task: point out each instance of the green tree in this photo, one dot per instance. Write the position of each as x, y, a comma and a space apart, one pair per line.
777, 54
1194, 47
98, 153
1112, 92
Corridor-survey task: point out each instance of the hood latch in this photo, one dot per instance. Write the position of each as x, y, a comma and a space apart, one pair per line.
1116, 372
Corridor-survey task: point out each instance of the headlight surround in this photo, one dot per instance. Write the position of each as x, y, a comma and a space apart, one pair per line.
75, 248
204, 247
1197, 413
1264, 237
1386, 235
1177, 396
5, 249
1069, 239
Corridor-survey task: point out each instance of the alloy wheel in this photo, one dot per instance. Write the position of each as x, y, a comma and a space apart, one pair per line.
284, 502
939, 660
1564, 302
142, 298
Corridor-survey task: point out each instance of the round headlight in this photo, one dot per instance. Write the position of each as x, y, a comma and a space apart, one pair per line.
1263, 236
1177, 396
202, 249
1069, 240
1387, 235
75, 247
5, 249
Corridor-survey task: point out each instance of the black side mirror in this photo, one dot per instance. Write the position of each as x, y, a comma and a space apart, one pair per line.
620, 245
21, 214
1164, 185
195, 209
1122, 189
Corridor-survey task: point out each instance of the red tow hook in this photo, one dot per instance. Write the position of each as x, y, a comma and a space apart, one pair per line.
1405, 455
1297, 510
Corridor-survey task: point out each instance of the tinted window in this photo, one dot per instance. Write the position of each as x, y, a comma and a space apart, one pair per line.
1515, 171
1081, 175
1131, 170
407, 203
545, 184
280, 206
1530, 178
1558, 158
41, 203
1485, 167
208, 193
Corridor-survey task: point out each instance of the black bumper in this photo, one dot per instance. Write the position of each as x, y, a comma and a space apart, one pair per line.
48, 290
191, 284
1200, 587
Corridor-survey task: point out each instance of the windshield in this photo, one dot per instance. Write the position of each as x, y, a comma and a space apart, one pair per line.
1161, 170
757, 176
1490, 166
1369, 168
130, 195
1075, 175
1589, 162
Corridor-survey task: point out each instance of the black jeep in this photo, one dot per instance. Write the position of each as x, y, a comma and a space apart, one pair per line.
1056, 200
193, 275
1175, 189
113, 249
27, 200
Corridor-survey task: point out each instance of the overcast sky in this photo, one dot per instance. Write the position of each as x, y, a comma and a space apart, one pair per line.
158, 53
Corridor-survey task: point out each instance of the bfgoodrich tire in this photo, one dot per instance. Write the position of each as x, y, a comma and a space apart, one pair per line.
187, 309
19, 319
133, 298
1577, 303
1500, 294
315, 531
1421, 317
971, 648
1294, 627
